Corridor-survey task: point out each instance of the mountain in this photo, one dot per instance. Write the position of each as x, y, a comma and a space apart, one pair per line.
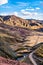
18, 35
16, 21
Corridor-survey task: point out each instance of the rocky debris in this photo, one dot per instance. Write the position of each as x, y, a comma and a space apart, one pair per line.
4, 61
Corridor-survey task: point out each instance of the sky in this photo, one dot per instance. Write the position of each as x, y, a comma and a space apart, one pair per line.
27, 9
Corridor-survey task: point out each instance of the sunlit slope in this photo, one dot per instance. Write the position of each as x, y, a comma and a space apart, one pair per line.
39, 51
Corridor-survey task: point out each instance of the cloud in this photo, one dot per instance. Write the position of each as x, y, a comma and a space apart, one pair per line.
3, 2
37, 8
37, 16
14, 13
4, 14
31, 15
33, 9
24, 12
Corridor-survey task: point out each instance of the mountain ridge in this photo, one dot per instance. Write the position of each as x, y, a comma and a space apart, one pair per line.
17, 21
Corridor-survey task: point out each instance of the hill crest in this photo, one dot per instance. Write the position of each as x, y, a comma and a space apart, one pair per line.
16, 21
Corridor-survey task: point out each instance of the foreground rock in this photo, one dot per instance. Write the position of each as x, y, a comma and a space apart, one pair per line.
4, 61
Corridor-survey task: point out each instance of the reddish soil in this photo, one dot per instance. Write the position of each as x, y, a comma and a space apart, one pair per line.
4, 61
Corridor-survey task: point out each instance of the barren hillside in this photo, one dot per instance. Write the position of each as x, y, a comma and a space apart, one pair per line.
18, 35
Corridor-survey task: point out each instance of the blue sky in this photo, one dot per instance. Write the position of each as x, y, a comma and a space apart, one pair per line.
27, 9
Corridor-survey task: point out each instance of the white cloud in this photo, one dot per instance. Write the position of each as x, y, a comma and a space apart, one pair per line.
31, 15
35, 13
24, 12
33, 9
37, 8
4, 13
3, 2
38, 16
15, 13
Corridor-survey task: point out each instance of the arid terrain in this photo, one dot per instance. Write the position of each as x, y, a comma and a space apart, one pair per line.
18, 36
